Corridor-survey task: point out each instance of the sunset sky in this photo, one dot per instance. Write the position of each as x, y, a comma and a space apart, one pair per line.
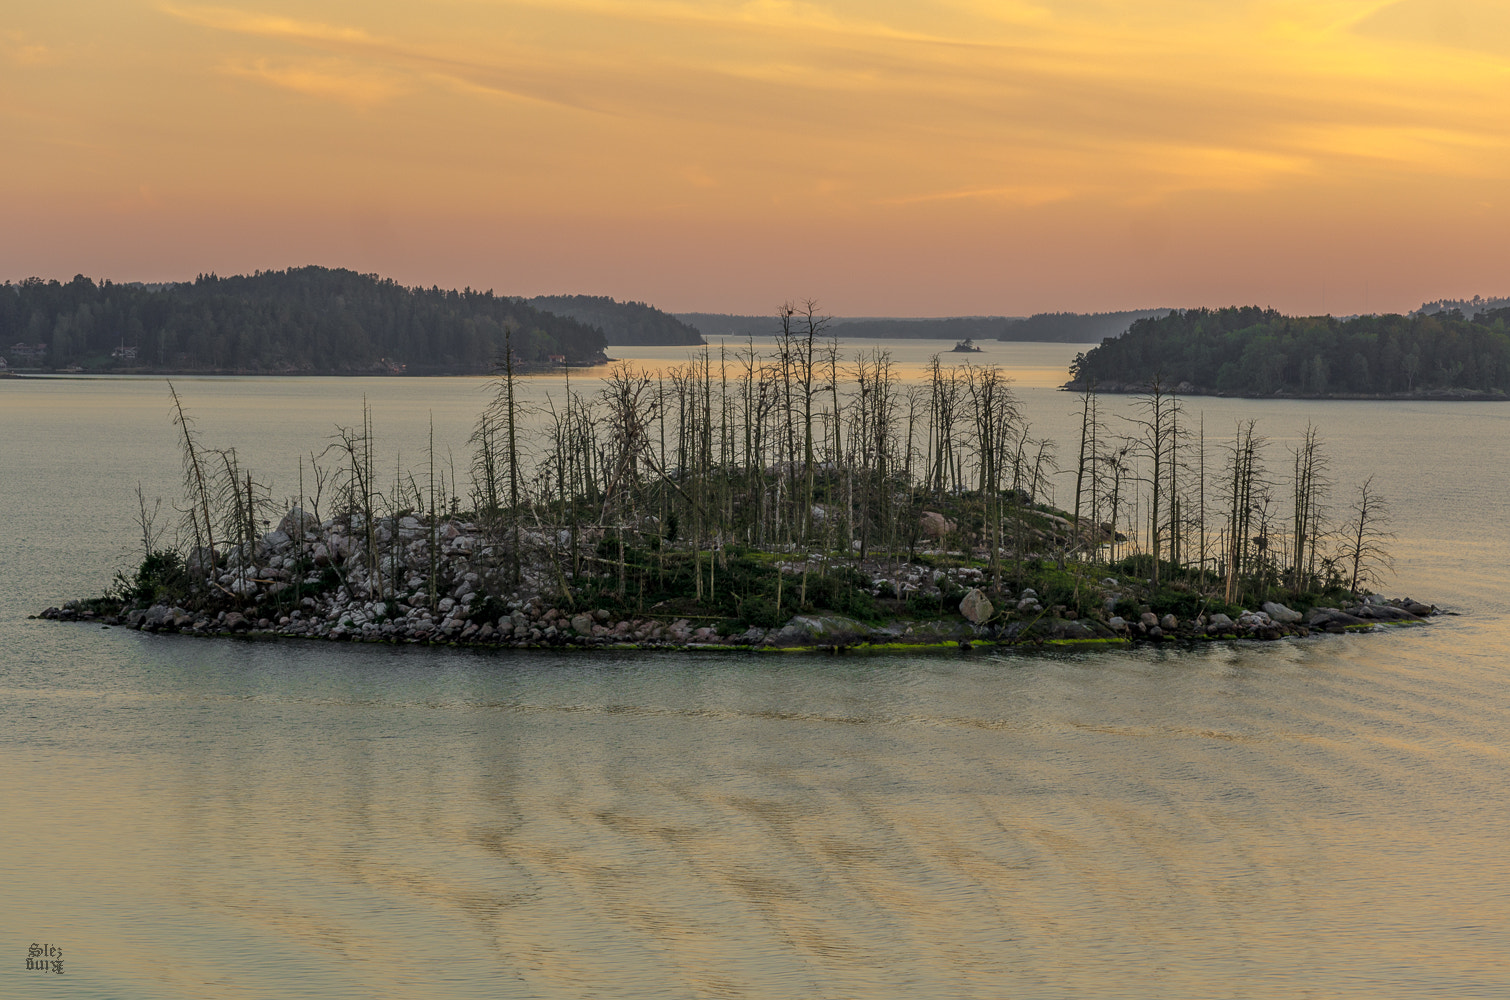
932, 157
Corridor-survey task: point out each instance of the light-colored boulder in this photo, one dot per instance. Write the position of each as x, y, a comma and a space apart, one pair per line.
934, 525
1280, 613
976, 607
582, 624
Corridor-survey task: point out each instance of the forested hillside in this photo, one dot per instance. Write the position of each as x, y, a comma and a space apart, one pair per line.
1258, 352
304, 319
1076, 328
628, 323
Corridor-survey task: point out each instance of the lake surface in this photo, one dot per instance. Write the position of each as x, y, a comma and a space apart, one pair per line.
213, 818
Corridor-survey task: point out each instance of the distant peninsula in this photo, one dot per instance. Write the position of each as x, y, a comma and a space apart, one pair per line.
305, 320
629, 324
1254, 352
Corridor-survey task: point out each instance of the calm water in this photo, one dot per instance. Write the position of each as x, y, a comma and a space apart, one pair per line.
193, 818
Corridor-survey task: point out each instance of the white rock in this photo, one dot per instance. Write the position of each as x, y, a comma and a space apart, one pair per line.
976, 607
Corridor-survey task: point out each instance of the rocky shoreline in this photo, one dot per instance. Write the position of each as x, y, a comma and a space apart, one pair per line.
320, 580
538, 626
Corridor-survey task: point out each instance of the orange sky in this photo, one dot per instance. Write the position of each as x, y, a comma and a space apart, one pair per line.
922, 158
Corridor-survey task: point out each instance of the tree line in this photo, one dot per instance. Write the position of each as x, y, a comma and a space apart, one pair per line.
299, 320
1253, 351
627, 323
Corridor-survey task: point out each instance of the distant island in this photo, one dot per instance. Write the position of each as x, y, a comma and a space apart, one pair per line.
305, 320
1062, 328
1250, 351
631, 324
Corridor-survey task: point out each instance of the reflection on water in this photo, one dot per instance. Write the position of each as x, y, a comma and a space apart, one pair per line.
198, 818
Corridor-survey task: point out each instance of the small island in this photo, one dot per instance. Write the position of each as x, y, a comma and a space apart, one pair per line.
784, 502
1260, 353
966, 346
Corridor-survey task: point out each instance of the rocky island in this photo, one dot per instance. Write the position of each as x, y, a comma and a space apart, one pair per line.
772, 506
310, 579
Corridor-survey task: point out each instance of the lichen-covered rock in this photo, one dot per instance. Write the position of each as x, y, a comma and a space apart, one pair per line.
976, 607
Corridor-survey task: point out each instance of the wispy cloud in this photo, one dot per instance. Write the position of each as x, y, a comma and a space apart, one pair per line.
268, 26
336, 80
19, 49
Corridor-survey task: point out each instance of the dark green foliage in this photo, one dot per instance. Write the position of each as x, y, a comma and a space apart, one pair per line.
159, 579
844, 590
302, 319
1183, 604
1058, 592
489, 609
1076, 328
744, 587
1141, 567
925, 603
621, 322
760, 611
1256, 351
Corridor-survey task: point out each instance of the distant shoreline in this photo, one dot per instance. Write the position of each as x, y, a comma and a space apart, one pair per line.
1449, 395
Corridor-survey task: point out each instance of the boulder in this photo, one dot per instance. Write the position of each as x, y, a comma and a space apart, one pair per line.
1149, 619
934, 525
1169, 623
582, 624
296, 522
276, 540
1281, 614
1381, 612
976, 607
1219, 622
1076, 630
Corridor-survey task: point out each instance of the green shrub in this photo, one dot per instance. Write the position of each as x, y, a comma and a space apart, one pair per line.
160, 578
489, 609
760, 612
925, 602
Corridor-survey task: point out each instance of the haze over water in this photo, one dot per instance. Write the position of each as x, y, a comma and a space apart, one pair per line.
195, 818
